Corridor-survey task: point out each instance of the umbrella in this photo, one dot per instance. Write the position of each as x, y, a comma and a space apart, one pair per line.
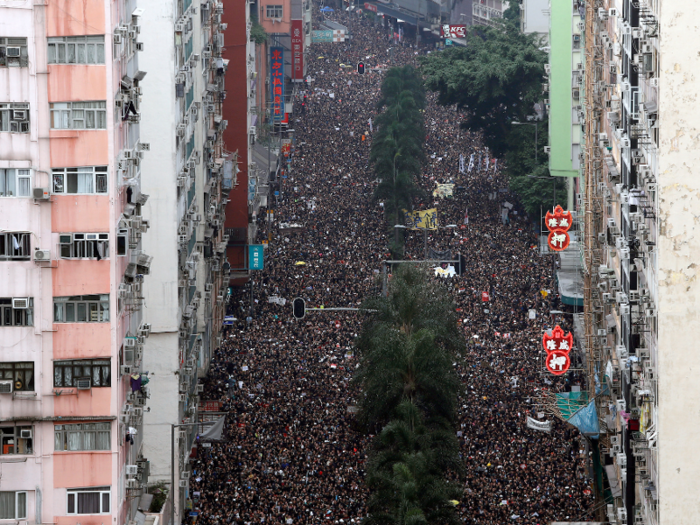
300, 263
327, 9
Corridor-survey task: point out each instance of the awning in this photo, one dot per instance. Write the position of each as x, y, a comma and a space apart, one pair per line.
613, 481
570, 287
395, 13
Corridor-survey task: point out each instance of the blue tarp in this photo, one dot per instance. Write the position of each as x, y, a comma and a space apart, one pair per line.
586, 420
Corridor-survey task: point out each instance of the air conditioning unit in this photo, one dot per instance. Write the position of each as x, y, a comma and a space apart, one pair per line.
199, 389
602, 13
25, 433
20, 303
6, 386
612, 12
41, 194
139, 46
132, 470
546, 102
547, 69
183, 483
132, 484
624, 309
129, 342
42, 255
125, 370
581, 26
547, 149
83, 383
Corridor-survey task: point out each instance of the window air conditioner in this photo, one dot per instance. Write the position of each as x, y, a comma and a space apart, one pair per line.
6, 386
132, 470
125, 370
20, 303
83, 383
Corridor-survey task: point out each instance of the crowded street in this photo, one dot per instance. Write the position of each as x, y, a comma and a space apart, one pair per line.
292, 453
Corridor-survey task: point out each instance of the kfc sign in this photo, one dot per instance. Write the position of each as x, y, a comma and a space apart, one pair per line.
557, 347
453, 31
558, 224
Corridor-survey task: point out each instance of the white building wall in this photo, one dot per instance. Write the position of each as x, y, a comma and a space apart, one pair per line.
678, 257
535, 17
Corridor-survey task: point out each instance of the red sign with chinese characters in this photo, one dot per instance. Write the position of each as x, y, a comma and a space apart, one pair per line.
297, 50
484, 296
453, 31
277, 81
558, 224
371, 7
557, 347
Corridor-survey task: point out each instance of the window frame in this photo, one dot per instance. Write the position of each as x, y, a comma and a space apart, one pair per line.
17, 515
16, 438
7, 240
98, 179
18, 174
70, 247
9, 121
93, 306
63, 431
276, 8
105, 365
22, 60
102, 491
16, 372
16, 313
88, 41
66, 115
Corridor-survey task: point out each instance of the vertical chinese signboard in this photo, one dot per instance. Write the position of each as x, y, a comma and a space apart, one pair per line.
256, 256
558, 224
277, 84
557, 347
297, 51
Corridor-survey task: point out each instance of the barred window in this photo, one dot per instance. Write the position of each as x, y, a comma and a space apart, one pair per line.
85, 436
81, 309
14, 117
15, 246
13, 52
79, 115
17, 311
82, 180
77, 50
84, 245
67, 373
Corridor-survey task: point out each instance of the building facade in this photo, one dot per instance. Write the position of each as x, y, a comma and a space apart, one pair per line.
72, 267
189, 171
639, 201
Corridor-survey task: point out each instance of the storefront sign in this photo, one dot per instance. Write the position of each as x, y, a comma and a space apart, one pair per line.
371, 7
256, 256
297, 51
453, 31
558, 224
558, 345
277, 76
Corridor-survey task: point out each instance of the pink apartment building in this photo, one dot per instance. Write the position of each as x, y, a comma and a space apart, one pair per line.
71, 390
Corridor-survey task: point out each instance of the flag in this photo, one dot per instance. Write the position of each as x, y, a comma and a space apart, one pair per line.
461, 163
471, 162
370, 126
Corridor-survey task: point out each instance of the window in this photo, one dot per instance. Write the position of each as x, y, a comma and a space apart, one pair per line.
84, 245
67, 373
15, 182
77, 50
81, 309
86, 436
15, 246
21, 374
13, 505
16, 439
93, 500
274, 11
16, 311
14, 117
84, 180
13, 52
79, 115
122, 241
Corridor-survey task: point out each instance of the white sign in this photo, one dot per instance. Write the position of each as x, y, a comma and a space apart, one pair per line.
542, 426
531, 313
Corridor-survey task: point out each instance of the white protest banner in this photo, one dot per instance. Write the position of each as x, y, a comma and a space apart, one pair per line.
542, 426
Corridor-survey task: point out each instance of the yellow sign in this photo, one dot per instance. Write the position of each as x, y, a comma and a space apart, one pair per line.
422, 220
443, 190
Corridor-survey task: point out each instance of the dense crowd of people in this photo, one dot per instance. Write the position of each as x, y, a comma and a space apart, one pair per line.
292, 454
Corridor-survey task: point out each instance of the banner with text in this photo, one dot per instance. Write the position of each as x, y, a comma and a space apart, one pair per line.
297, 51
277, 77
422, 220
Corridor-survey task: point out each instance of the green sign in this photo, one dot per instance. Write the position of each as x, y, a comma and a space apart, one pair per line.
255, 256
322, 36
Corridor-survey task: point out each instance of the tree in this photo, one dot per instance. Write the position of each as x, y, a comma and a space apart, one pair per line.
497, 78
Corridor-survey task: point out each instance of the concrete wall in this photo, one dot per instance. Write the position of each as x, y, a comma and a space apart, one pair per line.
678, 256
535, 17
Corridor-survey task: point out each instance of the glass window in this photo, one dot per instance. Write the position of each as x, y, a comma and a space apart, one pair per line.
77, 50
20, 374
79, 115
273, 11
15, 182
14, 117
13, 505
82, 180
84, 245
81, 309
16, 311
94, 500
92, 436
13, 52
66, 373
16, 439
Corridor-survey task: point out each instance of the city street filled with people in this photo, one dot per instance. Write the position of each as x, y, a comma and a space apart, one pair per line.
292, 453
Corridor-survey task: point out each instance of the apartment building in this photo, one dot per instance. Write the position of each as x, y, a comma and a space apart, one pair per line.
639, 199
72, 267
188, 176
565, 70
